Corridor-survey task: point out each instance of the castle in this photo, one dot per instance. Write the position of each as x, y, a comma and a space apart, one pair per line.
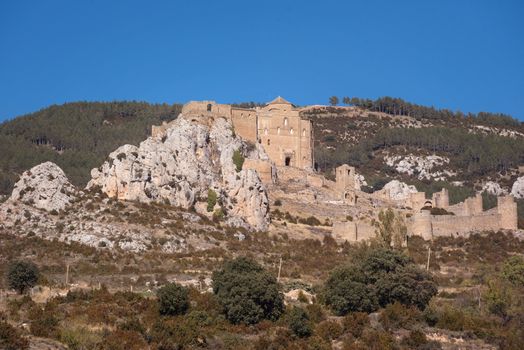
285, 136
287, 139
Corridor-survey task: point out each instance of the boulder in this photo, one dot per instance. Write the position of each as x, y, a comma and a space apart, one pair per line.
494, 188
517, 190
44, 186
194, 156
399, 190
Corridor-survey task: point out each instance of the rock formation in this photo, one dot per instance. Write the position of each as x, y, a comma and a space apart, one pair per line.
44, 186
517, 190
399, 190
192, 158
494, 188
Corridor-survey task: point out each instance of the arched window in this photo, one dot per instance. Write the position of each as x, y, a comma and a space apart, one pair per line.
285, 121
303, 132
278, 131
265, 131
291, 131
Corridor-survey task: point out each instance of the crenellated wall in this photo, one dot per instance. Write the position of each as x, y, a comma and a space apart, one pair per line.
468, 217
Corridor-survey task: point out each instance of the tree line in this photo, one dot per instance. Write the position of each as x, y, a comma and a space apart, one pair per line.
398, 106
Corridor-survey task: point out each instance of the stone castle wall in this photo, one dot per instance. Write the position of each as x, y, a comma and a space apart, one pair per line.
468, 217
285, 136
353, 231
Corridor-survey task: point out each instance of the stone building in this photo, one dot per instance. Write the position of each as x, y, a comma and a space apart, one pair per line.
278, 127
346, 184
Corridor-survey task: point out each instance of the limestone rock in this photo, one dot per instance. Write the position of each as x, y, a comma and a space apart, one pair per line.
421, 166
193, 157
517, 190
45, 186
494, 188
399, 190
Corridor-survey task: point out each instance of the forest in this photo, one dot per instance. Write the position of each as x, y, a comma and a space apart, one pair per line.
76, 136
397, 106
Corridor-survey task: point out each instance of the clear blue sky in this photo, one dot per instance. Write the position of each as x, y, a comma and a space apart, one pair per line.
460, 54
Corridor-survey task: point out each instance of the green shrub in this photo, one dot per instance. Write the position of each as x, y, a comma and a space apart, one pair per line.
22, 275
311, 221
173, 299
211, 200
346, 291
238, 160
299, 323
247, 293
513, 270
11, 339
381, 277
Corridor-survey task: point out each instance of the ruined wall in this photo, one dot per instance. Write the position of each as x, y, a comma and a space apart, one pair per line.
206, 107
245, 123
441, 199
266, 171
507, 209
352, 231
469, 217
417, 200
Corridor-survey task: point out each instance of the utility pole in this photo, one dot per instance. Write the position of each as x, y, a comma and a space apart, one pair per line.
279, 269
429, 255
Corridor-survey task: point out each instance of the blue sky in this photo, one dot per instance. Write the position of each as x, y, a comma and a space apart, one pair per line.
466, 55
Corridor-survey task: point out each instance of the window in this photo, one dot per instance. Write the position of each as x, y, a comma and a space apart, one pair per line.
209, 107
288, 161
285, 121
265, 131
303, 132
268, 142
291, 131
278, 131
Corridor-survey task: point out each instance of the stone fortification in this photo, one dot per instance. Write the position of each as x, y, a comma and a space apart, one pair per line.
182, 165
278, 127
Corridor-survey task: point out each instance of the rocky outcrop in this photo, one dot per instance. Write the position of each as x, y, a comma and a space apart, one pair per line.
421, 166
194, 157
494, 188
399, 190
44, 186
517, 190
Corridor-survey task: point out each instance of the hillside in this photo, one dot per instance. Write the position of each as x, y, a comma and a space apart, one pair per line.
390, 138
76, 136
193, 238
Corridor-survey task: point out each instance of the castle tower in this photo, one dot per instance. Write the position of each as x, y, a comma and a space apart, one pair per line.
441, 199
507, 208
420, 225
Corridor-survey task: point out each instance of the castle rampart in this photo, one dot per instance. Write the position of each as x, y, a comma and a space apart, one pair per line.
285, 136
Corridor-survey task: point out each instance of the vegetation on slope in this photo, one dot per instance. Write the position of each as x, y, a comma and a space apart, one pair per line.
397, 106
76, 136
